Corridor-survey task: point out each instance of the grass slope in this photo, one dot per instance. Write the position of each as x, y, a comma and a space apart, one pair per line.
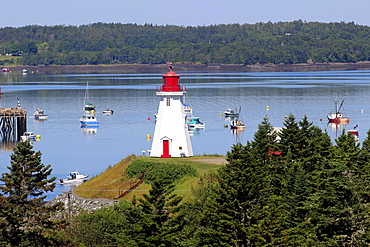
111, 183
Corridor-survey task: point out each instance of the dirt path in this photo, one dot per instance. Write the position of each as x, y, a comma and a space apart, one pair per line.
213, 160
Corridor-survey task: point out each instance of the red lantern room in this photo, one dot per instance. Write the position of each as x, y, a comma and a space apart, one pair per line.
170, 82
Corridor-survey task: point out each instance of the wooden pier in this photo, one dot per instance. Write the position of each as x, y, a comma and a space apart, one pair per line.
13, 123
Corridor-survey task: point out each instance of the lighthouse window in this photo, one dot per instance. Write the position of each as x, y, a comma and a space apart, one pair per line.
168, 101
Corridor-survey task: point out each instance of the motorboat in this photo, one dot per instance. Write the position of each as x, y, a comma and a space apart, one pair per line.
337, 115
89, 119
28, 135
231, 113
74, 177
40, 115
108, 112
25, 71
195, 123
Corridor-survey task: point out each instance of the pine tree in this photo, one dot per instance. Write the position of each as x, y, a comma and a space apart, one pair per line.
23, 213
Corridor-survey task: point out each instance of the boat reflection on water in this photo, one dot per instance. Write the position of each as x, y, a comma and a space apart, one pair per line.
195, 131
337, 128
90, 130
237, 132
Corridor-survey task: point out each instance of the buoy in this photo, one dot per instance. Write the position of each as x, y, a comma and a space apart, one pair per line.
267, 107
38, 137
320, 119
148, 137
362, 110
148, 118
220, 114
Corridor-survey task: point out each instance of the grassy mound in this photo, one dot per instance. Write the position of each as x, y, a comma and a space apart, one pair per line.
115, 180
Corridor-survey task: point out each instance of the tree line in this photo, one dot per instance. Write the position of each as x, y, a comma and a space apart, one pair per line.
115, 43
294, 187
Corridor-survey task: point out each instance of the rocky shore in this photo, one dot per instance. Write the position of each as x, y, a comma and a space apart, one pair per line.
74, 204
160, 68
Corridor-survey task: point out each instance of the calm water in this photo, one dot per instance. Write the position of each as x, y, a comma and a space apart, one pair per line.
67, 147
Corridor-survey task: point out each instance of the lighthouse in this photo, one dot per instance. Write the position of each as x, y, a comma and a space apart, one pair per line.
171, 136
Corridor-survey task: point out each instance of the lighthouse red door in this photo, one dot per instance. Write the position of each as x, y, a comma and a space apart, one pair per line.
166, 149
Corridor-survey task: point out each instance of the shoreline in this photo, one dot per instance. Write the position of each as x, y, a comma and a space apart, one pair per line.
211, 68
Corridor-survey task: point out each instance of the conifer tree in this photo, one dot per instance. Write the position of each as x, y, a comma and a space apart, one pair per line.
159, 208
23, 213
264, 141
347, 150
290, 138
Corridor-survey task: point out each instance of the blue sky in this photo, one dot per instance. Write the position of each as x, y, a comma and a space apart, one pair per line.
18, 13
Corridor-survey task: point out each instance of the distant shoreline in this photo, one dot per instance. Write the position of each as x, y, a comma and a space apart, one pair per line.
211, 68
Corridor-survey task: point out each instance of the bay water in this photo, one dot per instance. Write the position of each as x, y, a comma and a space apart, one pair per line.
68, 147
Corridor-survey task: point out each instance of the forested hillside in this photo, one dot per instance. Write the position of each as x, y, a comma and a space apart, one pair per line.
104, 43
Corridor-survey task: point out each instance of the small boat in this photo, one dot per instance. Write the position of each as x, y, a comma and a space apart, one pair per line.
195, 123
337, 116
354, 132
108, 112
188, 110
25, 71
89, 119
237, 124
74, 177
28, 136
40, 115
231, 113
6, 70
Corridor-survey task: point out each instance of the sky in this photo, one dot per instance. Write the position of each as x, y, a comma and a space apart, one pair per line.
19, 13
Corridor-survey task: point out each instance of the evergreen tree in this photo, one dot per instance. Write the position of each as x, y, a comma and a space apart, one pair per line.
160, 208
290, 139
264, 141
24, 215
347, 150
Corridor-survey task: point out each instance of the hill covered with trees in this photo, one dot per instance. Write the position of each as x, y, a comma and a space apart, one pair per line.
260, 43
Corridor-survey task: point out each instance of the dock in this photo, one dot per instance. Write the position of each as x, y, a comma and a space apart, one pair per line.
13, 123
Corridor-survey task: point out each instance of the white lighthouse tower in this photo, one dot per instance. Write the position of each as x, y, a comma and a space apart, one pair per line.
171, 135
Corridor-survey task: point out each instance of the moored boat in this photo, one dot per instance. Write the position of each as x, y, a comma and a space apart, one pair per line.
188, 110
231, 113
5, 70
28, 135
108, 112
195, 123
89, 119
40, 115
337, 115
237, 124
354, 132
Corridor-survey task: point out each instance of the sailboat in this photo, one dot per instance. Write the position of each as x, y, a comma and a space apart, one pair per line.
89, 118
338, 116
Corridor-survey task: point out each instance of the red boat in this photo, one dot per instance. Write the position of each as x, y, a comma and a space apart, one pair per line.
337, 116
6, 70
